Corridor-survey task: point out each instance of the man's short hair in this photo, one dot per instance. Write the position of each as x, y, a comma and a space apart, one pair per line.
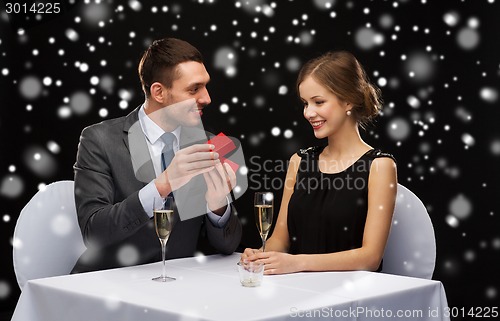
159, 62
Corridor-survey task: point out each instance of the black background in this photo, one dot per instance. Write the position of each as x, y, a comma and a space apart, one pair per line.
451, 175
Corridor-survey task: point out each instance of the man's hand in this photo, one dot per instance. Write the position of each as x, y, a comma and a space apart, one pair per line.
247, 254
187, 163
220, 181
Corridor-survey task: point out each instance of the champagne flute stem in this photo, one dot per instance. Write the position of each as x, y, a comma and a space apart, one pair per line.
163, 246
263, 243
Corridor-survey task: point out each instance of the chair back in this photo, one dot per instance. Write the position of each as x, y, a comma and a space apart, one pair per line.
411, 247
47, 240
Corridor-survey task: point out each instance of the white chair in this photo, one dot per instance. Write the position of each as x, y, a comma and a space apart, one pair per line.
47, 240
411, 247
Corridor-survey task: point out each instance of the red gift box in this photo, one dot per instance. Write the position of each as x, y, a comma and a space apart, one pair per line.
223, 146
233, 165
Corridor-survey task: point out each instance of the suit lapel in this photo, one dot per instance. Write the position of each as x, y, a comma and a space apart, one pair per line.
136, 144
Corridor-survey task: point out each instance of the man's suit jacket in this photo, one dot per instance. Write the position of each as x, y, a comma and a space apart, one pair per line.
114, 225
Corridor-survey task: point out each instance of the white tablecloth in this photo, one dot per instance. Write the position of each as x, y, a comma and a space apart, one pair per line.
208, 288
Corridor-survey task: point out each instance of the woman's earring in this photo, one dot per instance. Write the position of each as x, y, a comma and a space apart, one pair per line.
348, 113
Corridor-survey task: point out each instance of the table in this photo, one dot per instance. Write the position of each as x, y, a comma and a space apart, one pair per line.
208, 288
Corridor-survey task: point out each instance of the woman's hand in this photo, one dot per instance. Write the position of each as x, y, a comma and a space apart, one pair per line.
274, 262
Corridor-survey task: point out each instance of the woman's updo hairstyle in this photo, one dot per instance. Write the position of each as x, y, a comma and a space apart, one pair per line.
343, 75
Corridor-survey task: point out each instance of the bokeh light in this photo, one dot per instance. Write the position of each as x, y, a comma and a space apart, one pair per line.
461, 207
11, 186
61, 225
420, 66
4, 289
367, 38
40, 161
80, 103
95, 12
386, 21
491, 293
451, 18
30, 87
489, 94
72, 35
324, 4
128, 255
398, 129
468, 38
225, 59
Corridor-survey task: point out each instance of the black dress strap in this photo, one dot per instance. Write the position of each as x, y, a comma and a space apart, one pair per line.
314, 151
309, 159
310, 152
377, 153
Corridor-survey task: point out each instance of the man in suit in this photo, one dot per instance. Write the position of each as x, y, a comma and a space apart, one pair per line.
119, 170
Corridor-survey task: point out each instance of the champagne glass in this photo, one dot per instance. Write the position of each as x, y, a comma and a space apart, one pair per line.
263, 209
163, 210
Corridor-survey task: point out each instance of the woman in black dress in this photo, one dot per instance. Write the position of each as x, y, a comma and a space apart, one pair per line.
338, 199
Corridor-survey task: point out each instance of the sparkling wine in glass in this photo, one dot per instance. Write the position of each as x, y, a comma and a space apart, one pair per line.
263, 209
163, 210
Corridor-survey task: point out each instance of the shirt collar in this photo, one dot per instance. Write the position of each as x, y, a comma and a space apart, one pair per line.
152, 131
